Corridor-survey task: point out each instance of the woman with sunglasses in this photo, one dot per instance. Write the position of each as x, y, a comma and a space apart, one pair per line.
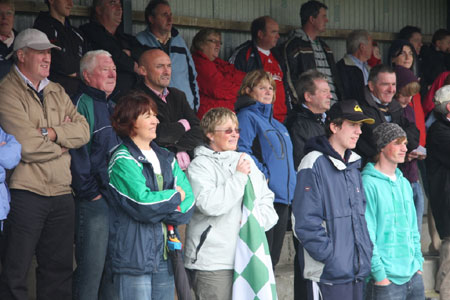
268, 142
218, 176
218, 80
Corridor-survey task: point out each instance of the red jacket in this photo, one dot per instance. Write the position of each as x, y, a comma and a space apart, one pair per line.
419, 118
428, 103
218, 83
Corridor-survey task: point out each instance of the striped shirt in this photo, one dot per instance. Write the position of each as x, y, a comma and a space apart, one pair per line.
323, 67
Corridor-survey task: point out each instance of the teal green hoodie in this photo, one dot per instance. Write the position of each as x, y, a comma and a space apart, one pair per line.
392, 223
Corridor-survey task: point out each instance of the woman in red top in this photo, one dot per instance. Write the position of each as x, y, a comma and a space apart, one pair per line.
218, 80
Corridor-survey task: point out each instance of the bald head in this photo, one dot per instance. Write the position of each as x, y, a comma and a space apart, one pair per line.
156, 68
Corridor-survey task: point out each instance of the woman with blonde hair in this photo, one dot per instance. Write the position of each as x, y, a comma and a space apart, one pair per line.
268, 142
219, 176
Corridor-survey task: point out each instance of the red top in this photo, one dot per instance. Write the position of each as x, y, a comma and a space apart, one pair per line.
271, 65
416, 103
428, 103
218, 82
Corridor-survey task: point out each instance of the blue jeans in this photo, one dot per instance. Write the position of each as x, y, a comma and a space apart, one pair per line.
158, 285
91, 243
411, 290
418, 203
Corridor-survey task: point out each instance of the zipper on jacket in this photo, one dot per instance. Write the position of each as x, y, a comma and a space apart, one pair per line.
200, 244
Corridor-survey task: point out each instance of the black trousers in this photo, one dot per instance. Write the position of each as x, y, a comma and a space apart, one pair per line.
275, 236
43, 226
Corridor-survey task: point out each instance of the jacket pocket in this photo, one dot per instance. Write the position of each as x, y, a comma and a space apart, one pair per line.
203, 237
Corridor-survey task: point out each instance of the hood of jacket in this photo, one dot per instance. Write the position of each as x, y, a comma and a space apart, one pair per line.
321, 144
300, 33
246, 102
370, 170
221, 156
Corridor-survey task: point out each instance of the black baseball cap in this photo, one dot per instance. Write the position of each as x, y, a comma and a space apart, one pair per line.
348, 110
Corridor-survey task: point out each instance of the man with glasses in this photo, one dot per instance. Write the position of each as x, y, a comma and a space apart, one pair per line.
161, 34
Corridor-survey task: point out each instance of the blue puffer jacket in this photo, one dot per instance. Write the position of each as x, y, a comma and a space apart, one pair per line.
328, 215
139, 210
90, 162
9, 158
184, 75
269, 144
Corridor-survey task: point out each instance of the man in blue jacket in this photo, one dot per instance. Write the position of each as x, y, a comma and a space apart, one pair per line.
89, 172
328, 208
161, 34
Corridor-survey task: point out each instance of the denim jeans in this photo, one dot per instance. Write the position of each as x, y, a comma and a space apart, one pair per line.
158, 285
411, 290
91, 243
418, 203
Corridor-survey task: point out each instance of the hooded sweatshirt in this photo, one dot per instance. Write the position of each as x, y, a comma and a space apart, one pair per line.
392, 223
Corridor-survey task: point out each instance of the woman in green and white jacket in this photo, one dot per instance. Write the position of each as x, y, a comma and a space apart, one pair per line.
148, 190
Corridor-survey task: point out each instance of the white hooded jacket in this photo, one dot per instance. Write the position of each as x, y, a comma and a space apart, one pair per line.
219, 189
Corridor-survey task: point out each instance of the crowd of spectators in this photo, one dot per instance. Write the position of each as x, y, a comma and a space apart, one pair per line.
110, 141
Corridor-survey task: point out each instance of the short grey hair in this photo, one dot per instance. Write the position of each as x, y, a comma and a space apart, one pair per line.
355, 38
89, 61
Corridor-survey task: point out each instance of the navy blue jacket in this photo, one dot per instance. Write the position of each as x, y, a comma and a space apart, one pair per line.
269, 144
328, 215
90, 162
138, 208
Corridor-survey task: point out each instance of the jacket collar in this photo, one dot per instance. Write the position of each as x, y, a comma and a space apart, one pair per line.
137, 153
96, 94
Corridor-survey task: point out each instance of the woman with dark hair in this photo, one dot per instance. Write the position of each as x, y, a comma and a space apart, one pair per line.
401, 55
268, 142
218, 80
148, 191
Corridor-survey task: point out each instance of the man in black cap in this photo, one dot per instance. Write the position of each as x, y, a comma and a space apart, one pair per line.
328, 208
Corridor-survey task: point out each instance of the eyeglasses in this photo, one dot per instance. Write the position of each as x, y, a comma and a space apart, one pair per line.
217, 42
229, 130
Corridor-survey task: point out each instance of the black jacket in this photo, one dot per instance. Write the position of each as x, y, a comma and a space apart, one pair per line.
433, 63
302, 125
253, 62
5, 64
298, 57
170, 133
352, 79
67, 60
438, 172
366, 146
100, 38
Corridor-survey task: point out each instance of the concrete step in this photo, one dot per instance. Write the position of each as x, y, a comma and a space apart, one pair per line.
284, 271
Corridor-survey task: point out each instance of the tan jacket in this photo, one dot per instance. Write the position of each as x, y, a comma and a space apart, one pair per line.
44, 169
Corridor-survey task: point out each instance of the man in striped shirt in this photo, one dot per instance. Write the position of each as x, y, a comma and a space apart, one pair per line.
304, 50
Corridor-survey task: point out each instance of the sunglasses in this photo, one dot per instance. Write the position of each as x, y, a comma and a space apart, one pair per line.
229, 130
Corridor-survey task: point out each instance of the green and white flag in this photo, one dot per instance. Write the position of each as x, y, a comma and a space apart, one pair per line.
253, 274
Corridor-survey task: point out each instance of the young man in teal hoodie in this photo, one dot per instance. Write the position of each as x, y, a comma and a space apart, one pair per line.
396, 271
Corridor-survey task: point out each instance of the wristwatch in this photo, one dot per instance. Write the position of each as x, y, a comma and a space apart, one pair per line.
44, 131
